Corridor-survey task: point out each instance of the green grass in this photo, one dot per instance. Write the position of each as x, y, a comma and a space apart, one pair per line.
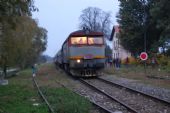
65, 101
138, 73
136, 70
17, 96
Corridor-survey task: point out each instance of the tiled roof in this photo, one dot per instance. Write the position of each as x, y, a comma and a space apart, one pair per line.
115, 29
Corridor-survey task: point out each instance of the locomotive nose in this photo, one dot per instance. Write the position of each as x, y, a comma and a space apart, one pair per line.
89, 63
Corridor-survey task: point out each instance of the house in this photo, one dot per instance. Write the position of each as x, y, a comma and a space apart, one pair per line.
118, 51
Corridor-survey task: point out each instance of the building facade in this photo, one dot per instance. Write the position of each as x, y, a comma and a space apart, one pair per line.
118, 51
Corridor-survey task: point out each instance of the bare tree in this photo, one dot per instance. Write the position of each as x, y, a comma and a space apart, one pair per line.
96, 20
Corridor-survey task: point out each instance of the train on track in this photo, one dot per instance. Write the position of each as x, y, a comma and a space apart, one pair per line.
82, 53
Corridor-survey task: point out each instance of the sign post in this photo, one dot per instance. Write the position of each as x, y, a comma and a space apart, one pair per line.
144, 57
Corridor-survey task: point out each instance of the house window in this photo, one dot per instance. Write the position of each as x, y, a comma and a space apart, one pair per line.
117, 44
117, 35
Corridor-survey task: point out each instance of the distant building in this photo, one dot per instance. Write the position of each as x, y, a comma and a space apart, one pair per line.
118, 51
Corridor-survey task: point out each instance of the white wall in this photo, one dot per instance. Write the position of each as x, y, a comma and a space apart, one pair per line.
117, 50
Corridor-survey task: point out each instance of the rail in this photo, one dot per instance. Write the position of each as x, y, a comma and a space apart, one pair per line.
114, 99
42, 96
134, 90
103, 108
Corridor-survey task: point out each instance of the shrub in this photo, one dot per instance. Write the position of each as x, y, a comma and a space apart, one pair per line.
163, 60
132, 60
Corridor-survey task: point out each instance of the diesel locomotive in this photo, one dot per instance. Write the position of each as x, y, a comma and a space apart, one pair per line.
82, 53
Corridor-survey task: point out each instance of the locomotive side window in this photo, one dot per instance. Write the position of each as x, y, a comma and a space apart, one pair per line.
95, 40
78, 40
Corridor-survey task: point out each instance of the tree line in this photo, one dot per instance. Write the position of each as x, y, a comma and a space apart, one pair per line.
95, 19
144, 18
138, 20
21, 39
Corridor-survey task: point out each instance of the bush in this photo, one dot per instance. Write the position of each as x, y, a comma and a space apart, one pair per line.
163, 60
131, 60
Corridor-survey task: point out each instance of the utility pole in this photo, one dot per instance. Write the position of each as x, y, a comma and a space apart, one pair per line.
145, 29
144, 20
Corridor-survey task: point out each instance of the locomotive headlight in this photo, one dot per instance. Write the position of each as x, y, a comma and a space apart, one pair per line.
78, 60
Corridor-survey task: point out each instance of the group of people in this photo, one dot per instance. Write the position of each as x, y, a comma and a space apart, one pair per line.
117, 62
114, 62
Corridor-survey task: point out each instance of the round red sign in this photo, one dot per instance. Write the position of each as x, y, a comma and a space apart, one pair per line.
143, 56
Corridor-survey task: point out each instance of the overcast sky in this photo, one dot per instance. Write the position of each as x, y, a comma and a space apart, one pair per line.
61, 17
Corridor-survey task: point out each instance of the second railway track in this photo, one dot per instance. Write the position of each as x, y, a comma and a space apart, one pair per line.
135, 91
42, 96
111, 98
138, 101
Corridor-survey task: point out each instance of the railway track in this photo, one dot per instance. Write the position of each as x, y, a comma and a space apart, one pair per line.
93, 102
42, 96
125, 108
133, 100
130, 109
134, 90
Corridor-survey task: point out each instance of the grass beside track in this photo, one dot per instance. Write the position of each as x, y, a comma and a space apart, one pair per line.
20, 95
153, 76
65, 101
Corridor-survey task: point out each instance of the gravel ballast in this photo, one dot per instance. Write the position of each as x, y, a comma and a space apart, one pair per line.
139, 102
155, 91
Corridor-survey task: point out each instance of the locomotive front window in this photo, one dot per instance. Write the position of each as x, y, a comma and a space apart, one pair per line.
95, 40
78, 40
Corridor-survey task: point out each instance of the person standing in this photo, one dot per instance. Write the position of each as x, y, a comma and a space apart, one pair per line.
34, 70
127, 62
153, 62
119, 62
